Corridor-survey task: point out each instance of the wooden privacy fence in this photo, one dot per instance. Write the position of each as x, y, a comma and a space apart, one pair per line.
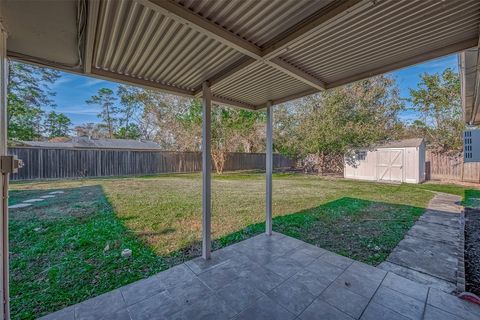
58, 163
447, 167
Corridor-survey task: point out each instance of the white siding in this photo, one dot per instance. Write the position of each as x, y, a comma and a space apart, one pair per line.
407, 165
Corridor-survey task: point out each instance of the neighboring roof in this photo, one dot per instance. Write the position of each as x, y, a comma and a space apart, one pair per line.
85, 142
469, 65
251, 52
405, 143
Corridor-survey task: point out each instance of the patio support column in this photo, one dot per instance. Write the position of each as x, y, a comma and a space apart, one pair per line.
206, 171
4, 281
268, 170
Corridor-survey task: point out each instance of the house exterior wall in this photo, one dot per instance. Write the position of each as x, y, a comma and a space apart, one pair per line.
369, 168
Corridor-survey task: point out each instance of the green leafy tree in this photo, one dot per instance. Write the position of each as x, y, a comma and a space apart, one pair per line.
232, 130
129, 132
57, 125
438, 101
326, 126
106, 99
131, 99
28, 93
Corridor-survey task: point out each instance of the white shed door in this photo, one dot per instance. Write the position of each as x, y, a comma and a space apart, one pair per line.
390, 165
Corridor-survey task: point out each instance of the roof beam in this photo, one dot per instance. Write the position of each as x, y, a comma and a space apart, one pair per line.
107, 75
228, 102
204, 26
457, 47
296, 73
92, 19
287, 98
337, 12
180, 13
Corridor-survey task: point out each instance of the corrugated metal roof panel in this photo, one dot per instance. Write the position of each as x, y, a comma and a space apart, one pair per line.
136, 41
258, 84
386, 33
257, 21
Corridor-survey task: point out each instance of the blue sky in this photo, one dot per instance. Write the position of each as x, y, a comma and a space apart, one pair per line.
73, 90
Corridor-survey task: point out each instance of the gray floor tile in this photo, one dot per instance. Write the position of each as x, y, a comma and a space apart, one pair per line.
336, 260
263, 309
260, 255
367, 271
64, 314
98, 307
362, 282
314, 283
142, 289
207, 308
284, 266
122, 314
324, 269
159, 307
262, 278
189, 291
302, 257
199, 265
405, 286
292, 295
345, 300
452, 304
311, 250
239, 294
375, 312
320, 310
400, 303
175, 275
221, 275
418, 277
432, 313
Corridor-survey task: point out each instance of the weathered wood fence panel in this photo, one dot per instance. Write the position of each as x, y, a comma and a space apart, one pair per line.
57, 163
447, 167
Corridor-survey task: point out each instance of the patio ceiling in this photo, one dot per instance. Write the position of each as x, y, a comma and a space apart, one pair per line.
251, 52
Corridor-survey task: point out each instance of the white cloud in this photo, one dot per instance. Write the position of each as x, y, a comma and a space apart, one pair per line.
90, 82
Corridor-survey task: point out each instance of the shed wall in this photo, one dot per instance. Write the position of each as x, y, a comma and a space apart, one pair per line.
413, 165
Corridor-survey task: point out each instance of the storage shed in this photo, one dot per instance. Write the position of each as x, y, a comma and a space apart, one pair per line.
395, 161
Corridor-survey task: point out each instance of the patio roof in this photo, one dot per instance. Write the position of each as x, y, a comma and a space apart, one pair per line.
250, 52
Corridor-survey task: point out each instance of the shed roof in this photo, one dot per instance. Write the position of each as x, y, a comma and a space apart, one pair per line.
405, 143
85, 142
251, 52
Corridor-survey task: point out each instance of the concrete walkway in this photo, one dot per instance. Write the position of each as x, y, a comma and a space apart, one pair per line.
277, 278
429, 252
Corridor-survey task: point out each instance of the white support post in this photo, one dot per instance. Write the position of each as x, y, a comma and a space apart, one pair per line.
268, 170
4, 305
206, 172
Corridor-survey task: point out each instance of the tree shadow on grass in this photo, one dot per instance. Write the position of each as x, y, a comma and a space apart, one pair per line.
67, 249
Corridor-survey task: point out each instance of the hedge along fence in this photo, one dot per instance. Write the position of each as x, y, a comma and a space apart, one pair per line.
58, 163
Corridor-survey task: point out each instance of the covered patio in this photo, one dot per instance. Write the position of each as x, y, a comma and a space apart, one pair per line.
273, 277
252, 55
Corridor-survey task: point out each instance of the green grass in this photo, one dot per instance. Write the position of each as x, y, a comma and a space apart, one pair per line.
57, 246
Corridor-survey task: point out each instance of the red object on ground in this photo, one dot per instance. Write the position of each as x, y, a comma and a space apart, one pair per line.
470, 297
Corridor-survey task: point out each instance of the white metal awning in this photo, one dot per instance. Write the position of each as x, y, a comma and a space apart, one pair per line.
251, 51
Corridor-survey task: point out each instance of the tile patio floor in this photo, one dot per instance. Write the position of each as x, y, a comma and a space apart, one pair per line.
275, 277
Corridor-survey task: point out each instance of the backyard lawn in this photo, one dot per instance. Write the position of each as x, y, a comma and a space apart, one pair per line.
67, 248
